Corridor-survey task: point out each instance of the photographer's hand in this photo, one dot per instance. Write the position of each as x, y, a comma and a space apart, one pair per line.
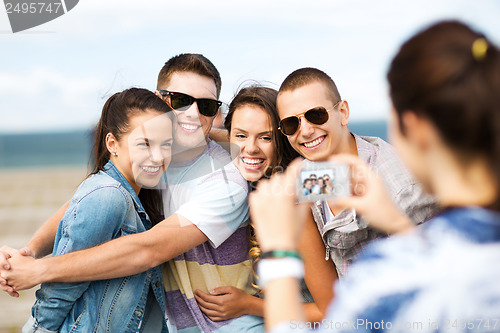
277, 219
370, 198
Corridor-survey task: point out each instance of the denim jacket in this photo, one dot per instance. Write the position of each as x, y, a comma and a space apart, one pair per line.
103, 208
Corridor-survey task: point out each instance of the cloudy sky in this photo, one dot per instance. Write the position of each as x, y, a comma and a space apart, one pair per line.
58, 75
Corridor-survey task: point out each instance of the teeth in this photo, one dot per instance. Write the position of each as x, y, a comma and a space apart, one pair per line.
313, 143
252, 161
151, 169
189, 127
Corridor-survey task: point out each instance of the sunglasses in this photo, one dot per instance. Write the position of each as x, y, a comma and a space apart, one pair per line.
315, 116
181, 102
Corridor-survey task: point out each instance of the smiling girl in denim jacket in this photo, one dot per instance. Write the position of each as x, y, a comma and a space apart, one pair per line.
132, 148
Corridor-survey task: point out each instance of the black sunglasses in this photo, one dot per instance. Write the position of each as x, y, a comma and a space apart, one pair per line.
181, 102
316, 116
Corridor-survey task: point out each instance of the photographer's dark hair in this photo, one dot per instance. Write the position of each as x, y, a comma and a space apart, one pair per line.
450, 74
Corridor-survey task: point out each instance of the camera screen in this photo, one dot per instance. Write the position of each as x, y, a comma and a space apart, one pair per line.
321, 180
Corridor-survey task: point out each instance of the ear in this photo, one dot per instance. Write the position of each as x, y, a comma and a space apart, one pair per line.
157, 93
111, 143
344, 113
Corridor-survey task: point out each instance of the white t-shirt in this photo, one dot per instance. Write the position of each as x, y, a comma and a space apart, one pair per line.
210, 192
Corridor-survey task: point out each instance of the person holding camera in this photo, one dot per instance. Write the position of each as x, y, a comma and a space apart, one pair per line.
440, 275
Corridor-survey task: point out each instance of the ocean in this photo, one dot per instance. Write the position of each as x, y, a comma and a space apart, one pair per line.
45, 149
73, 148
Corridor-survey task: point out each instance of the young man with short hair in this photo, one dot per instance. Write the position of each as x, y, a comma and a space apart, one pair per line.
315, 120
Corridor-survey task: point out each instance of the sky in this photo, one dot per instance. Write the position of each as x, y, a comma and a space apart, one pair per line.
56, 77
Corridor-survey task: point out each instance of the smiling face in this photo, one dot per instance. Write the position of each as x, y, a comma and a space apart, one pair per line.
191, 128
143, 154
321, 182
327, 180
316, 142
252, 147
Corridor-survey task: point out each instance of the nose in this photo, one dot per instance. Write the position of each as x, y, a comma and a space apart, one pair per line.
251, 147
192, 111
156, 155
306, 129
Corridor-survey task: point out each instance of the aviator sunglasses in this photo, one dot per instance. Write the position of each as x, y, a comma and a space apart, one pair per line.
316, 116
181, 102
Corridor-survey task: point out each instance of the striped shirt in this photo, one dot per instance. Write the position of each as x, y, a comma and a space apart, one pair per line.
210, 192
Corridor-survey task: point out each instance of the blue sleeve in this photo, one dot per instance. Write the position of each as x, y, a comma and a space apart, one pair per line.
96, 218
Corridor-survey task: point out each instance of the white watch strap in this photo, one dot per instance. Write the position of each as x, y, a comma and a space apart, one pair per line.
272, 269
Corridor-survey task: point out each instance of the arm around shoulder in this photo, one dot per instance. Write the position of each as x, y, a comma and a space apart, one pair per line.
124, 256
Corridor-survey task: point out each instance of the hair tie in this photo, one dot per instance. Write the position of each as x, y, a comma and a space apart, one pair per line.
479, 49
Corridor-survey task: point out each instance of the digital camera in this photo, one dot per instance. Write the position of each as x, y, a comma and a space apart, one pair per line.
323, 180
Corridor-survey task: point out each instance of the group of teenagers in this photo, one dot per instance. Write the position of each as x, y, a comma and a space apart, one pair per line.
173, 232
321, 185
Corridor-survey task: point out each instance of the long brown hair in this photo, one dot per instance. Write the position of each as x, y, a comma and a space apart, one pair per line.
442, 75
115, 116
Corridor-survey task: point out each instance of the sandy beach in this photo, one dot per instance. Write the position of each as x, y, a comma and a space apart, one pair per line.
27, 198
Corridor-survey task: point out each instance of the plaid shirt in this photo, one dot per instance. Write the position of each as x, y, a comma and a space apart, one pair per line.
346, 234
